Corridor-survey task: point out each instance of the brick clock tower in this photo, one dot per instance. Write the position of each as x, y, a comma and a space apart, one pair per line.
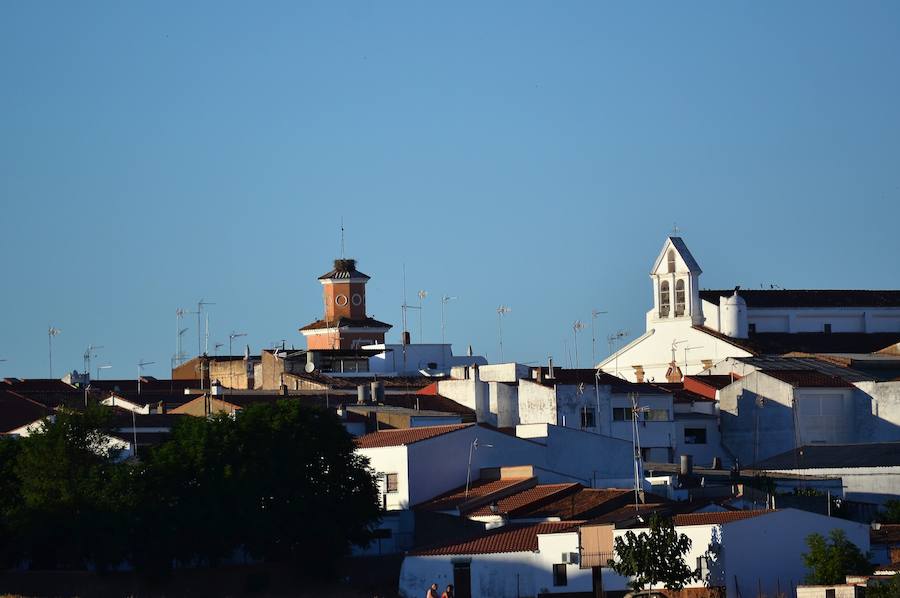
345, 325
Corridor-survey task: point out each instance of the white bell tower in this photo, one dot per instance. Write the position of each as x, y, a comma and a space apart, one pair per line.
676, 291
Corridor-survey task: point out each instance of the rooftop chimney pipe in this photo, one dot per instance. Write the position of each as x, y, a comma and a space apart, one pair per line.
687, 465
362, 394
378, 391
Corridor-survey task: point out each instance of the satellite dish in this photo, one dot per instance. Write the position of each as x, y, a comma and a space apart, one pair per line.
310, 367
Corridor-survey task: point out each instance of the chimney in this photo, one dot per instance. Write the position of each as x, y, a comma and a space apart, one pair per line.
378, 391
469, 352
362, 394
687, 465
404, 337
549, 367
539, 374
475, 375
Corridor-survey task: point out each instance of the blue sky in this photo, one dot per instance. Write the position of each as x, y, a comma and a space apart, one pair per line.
530, 154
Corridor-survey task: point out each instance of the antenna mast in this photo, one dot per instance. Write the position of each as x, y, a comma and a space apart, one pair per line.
501, 311
88, 353
199, 312
577, 327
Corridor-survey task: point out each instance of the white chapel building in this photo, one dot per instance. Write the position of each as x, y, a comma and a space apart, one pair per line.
689, 329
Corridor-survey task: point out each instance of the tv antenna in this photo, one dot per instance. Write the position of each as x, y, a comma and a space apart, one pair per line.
231, 338
200, 347
636, 447
421, 295
51, 332
502, 310
179, 334
141, 365
342, 237
577, 327
444, 301
88, 353
595, 313
613, 340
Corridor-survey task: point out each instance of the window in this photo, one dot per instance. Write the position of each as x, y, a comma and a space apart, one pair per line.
390, 482
830, 593
656, 415
621, 414
703, 567
587, 418
827, 328
751, 328
695, 435
671, 260
559, 575
679, 298
664, 299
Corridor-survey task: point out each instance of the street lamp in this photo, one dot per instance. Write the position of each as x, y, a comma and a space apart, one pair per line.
231, 338
501, 311
444, 301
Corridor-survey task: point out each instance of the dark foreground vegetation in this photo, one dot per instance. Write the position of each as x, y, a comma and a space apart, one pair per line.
277, 485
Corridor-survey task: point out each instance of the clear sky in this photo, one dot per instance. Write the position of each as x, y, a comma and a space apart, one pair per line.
528, 154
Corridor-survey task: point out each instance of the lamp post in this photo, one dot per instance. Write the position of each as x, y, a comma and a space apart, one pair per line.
594, 314
576, 328
422, 295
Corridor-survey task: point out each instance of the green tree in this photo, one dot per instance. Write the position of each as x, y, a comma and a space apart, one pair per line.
10, 500
891, 512
73, 506
830, 560
654, 558
886, 589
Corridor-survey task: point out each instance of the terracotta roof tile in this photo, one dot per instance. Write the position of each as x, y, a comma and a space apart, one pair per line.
17, 411
509, 538
717, 518
808, 379
343, 322
527, 499
888, 533
478, 489
405, 436
587, 503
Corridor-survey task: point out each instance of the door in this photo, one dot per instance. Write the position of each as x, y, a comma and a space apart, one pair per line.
462, 580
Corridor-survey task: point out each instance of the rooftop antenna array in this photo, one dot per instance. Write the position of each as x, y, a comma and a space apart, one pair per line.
636, 447
577, 327
444, 300
613, 340
88, 353
595, 313
502, 310
51, 332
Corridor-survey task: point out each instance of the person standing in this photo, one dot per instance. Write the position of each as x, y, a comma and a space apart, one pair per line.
448, 593
432, 591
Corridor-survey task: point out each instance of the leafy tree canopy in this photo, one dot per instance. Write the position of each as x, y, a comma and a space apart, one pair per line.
654, 558
830, 560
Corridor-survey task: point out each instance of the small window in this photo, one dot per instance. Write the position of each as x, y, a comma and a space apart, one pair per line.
664, 299
751, 328
587, 418
679, 298
559, 575
391, 482
671, 260
827, 328
656, 415
830, 593
621, 414
695, 435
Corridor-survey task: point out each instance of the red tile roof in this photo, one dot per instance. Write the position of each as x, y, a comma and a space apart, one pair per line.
707, 385
344, 322
587, 503
527, 499
717, 518
509, 538
17, 411
808, 379
888, 533
405, 436
477, 489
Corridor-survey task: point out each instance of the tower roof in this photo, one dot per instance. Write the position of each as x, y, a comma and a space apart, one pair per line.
344, 269
678, 244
